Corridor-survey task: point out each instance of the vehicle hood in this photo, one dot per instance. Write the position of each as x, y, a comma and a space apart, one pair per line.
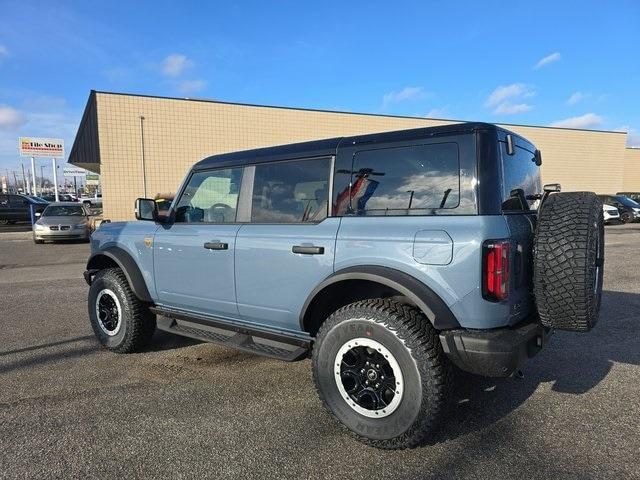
62, 220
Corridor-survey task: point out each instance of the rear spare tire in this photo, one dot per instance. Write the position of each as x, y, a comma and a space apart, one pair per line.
569, 261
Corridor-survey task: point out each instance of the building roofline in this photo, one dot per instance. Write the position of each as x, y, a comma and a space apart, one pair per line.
319, 110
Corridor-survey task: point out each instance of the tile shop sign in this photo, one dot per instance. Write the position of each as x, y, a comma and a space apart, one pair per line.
41, 147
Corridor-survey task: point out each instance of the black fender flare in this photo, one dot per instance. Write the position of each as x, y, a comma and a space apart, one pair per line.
436, 310
126, 263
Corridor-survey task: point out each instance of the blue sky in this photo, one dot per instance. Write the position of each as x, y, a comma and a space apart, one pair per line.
574, 64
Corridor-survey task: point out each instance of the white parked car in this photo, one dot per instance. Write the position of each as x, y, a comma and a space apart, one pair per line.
611, 213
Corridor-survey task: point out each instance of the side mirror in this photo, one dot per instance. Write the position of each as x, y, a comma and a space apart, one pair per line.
537, 158
146, 209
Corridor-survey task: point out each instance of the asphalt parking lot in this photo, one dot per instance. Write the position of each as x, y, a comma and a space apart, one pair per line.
70, 409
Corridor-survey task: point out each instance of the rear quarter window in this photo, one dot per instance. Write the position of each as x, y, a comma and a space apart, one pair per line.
412, 180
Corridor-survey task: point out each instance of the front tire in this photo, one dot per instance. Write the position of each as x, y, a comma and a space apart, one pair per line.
120, 321
380, 371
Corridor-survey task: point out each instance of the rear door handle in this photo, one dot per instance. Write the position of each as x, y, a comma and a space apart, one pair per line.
216, 246
307, 250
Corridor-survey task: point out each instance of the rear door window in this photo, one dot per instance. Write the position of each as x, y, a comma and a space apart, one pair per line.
291, 192
413, 180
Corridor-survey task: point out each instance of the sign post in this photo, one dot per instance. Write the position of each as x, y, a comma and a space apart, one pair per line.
42, 147
33, 177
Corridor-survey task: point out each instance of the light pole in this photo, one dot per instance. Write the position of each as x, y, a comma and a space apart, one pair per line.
33, 175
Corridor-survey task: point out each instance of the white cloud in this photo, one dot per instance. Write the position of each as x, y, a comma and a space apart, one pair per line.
407, 93
508, 92
577, 97
507, 108
437, 113
554, 57
44, 118
502, 99
175, 64
191, 86
4, 51
10, 118
588, 120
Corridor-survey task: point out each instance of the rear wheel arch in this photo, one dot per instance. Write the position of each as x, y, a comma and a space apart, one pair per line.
117, 257
365, 282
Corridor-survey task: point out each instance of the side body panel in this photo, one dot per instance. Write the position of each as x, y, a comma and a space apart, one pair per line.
191, 277
272, 281
132, 238
389, 242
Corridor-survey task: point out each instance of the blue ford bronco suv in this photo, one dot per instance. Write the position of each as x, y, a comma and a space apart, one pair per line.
390, 259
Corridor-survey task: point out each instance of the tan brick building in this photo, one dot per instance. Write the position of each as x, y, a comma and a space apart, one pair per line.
142, 145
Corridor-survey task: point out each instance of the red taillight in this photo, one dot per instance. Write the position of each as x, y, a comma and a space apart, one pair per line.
496, 270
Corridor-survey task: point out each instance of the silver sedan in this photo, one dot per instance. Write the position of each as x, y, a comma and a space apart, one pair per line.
63, 221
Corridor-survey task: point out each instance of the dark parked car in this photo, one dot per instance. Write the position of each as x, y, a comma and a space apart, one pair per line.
629, 210
635, 196
62, 197
16, 208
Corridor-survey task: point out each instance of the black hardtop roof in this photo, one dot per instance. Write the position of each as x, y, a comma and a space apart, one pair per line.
319, 148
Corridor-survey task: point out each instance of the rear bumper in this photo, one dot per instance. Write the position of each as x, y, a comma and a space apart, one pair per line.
494, 353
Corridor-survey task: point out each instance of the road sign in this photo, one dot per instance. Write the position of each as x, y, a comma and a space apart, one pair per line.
69, 171
92, 179
41, 147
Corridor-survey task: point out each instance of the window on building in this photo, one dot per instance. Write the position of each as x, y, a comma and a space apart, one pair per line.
414, 180
291, 192
210, 197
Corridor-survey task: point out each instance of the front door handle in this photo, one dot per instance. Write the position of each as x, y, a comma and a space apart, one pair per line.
307, 250
216, 246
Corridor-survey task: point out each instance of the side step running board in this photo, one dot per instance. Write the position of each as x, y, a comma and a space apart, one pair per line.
214, 330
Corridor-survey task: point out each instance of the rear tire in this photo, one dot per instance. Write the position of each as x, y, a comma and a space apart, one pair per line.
120, 321
399, 342
569, 261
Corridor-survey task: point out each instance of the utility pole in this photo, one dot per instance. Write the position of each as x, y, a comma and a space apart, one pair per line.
15, 182
33, 174
55, 178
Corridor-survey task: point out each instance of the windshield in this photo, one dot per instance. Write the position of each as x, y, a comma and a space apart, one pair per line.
63, 211
627, 202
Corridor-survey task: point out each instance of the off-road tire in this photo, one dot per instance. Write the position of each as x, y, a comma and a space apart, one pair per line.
569, 261
138, 322
410, 337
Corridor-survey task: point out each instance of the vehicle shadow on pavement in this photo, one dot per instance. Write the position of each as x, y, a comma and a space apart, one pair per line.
168, 341
573, 363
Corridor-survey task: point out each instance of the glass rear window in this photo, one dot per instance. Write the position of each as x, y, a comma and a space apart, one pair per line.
519, 171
